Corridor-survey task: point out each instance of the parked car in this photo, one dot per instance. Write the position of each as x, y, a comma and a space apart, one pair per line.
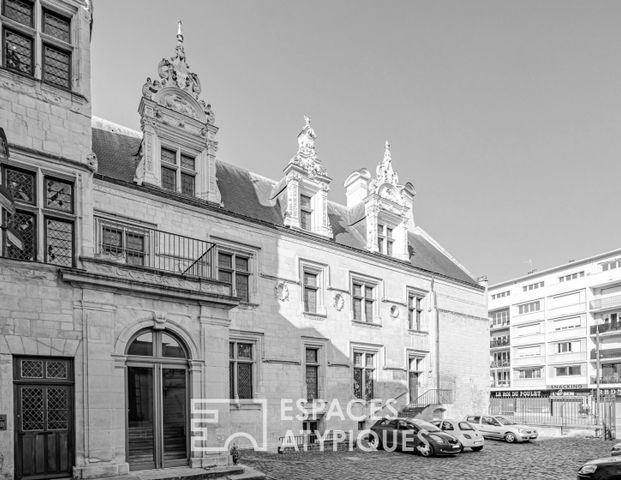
463, 431
501, 428
412, 434
607, 468
616, 449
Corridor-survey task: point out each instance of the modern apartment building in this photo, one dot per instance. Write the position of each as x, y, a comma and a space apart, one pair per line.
544, 329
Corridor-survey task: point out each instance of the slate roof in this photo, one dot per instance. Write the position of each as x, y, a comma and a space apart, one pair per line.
253, 196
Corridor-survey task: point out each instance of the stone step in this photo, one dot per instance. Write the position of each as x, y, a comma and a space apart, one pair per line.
249, 474
185, 473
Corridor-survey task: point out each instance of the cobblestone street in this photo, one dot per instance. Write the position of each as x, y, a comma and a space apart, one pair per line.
542, 459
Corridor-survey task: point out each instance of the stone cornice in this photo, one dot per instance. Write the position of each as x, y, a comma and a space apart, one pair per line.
112, 276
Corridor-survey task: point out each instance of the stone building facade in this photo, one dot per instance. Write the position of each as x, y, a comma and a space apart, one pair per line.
151, 274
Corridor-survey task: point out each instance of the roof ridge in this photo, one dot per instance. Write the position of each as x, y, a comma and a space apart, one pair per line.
109, 126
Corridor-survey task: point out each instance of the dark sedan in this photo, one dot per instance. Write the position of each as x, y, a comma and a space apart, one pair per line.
414, 435
608, 468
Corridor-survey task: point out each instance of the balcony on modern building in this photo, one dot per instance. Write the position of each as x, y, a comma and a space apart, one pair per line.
528, 383
609, 328
529, 361
606, 379
605, 303
500, 364
499, 343
499, 326
500, 384
607, 353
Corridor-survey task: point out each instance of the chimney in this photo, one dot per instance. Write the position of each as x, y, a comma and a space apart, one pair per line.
357, 187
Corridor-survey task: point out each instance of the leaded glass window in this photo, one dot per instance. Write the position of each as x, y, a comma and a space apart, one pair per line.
59, 195
364, 375
59, 236
21, 11
169, 179
241, 367
56, 25
306, 212
312, 373
56, 66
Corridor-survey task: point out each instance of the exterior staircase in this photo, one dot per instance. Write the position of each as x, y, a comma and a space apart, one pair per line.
429, 405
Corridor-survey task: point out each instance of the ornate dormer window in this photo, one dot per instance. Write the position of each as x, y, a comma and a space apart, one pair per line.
178, 148
307, 186
387, 207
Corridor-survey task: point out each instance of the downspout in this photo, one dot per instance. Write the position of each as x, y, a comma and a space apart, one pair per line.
437, 314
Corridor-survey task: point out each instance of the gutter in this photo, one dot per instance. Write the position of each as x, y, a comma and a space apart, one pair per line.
437, 314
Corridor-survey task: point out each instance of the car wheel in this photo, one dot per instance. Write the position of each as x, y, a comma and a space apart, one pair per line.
375, 441
477, 449
510, 437
425, 449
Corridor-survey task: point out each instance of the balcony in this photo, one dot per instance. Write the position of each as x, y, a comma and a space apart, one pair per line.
496, 343
155, 249
153, 262
605, 303
501, 384
606, 327
499, 326
607, 353
500, 364
606, 379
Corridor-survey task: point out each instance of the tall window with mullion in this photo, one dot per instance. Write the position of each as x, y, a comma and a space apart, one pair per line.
312, 373
241, 367
34, 215
311, 291
306, 212
364, 374
385, 239
233, 269
415, 312
188, 174
363, 297
18, 51
169, 169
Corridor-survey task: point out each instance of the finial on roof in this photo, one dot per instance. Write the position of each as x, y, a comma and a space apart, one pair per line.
306, 156
179, 34
387, 155
306, 121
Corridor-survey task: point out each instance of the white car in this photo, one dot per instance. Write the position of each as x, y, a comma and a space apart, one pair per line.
501, 428
465, 433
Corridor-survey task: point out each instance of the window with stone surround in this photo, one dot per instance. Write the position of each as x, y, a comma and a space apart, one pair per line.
306, 212
234, 269
415, 312
385, 240
241, 369
178, 171
44, 219
312, 373
364, 374
37, 41
363, 300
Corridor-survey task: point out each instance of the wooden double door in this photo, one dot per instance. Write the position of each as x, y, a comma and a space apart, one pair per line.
44, 417
157, 421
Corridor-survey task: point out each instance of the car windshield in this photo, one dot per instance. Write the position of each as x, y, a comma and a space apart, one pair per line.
426, 425
505, 421
465, 426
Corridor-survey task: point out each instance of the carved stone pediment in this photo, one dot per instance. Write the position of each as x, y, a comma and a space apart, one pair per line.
175, 72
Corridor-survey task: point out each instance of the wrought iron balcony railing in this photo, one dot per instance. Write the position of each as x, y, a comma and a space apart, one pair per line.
155, 249
500, 364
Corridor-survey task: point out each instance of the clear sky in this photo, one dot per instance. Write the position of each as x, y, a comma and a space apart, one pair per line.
505, 115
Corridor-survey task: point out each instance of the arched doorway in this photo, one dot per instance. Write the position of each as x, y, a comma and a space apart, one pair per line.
157, 400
